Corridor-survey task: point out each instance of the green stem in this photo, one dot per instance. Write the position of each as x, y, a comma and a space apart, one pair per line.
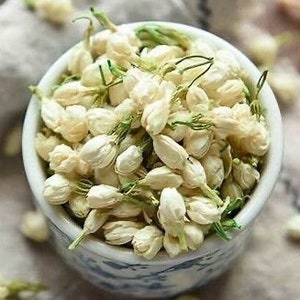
78, 240
88, 32
211, 194
36, 92
103, 19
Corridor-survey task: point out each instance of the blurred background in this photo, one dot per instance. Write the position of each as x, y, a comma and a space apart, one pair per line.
268, 31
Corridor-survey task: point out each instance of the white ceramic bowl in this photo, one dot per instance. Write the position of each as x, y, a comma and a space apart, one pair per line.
120, 270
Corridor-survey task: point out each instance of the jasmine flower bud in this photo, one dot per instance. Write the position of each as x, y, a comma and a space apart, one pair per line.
63, 159
129, 161
52, 114
57, 189
197, 143
132, 77
44, 145
99, 42
171, 214
106, 176
203, 210
170, 153
117, 94
197, 100
155, 116
74, 125
125, 210
93, 222
160, 178
120, 232
34, 226
194, 235
99, 151
245, 175
101, 120
126, 108
172, 245
79, 206
102, 196
147, 242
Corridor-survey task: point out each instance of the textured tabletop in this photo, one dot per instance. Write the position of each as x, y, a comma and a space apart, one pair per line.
267, 270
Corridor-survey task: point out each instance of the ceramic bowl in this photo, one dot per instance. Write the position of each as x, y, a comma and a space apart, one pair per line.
118, 269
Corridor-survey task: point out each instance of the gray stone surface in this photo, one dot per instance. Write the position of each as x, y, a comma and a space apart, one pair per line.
267, 270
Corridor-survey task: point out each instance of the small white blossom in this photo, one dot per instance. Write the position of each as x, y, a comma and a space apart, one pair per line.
63, 159
162, 177
197, 143
91, 76
196, 100
74, 125
201, 47
171, 154
106, 176
231, 189
56, 11
99, 151
126, 108
147, 242
203, 210
79, 60
71, 93
99, 42
101, 196
214, 170
44, 145
117, 94
57, 189
132, 77
52, 114
129, 161
125, 210
245, 175
127, 142
172, 245
79, 206
194, 235
155, 116
34, 226
120, 232
101, 120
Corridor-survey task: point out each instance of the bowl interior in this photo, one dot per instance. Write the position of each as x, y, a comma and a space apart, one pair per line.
35, 172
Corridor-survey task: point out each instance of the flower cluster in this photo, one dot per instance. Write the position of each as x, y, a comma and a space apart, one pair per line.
151, 139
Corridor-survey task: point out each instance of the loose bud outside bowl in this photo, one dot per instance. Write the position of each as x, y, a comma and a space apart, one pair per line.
118, 269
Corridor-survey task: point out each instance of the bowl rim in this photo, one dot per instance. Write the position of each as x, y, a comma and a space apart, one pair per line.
56, 215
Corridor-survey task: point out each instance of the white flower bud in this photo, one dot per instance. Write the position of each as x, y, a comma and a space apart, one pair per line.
194, 176
155, 116
201, 47
214, 170
91, 75
74, 125
224, 122
230, 92
147, 242
71, 93
79, 206
34, 226
231, 189
162, 177
172, 245
52, 114
163, 53
122, 46
102, 196
125, 210
127, 142
197, 100
242, 113
132, 77
203, 210
57, 189
128, 178
171, 212
126, 108
117, 94
63, 159
170, 153
99, 151
55, 11
245, 175
194, 235
120, 232
197, 143
80, 59
180, 131
101, 120
106, 176
230, 59
44, 145
99, 42
129, 160
292, 227
83, 168
174, 76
